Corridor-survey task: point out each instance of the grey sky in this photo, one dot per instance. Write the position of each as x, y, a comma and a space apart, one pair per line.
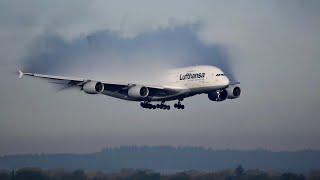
273, 48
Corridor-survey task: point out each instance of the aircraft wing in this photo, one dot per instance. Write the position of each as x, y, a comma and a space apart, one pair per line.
110, 87
234, 83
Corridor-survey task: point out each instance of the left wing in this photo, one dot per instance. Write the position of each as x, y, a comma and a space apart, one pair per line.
111, 88
77, 81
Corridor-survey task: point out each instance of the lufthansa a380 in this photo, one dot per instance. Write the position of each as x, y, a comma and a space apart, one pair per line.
180, 83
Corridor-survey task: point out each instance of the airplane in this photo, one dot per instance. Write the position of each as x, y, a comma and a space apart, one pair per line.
181, 83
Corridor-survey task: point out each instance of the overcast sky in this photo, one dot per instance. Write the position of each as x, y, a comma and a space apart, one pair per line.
272, 47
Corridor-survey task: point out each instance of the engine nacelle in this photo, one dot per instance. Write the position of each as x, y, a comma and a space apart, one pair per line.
218, 95
233, 91
138, 92
93, 87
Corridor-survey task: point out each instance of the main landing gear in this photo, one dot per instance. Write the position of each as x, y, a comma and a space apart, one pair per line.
148, 105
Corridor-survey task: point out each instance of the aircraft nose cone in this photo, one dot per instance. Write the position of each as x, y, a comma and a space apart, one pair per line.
225, 81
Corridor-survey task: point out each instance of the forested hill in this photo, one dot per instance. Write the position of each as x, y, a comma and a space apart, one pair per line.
168, 159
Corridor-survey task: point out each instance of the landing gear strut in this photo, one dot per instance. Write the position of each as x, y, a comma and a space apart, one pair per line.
163, 106
179, 105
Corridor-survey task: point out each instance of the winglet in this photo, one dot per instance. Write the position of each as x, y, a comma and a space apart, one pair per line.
20, 74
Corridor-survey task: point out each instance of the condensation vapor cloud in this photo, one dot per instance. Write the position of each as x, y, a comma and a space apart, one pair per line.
107, 53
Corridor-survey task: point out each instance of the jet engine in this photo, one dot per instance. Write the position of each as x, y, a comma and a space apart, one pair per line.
93, 87
218, 95
233, 91
138, 92
230, 92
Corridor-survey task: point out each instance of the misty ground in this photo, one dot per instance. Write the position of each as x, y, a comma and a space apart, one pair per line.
236, 173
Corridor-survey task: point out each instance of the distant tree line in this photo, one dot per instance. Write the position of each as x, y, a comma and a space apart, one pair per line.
168, 159
127, 174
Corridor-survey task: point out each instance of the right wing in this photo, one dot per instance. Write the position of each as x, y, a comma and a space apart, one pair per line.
234, 83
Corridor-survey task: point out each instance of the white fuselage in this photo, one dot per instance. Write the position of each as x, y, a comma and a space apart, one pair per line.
197, 78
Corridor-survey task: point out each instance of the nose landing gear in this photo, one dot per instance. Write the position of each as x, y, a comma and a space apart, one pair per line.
179, 105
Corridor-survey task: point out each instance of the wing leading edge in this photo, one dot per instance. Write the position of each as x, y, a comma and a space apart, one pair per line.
111, 88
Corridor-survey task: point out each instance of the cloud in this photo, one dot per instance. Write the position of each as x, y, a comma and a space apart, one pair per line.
104, 51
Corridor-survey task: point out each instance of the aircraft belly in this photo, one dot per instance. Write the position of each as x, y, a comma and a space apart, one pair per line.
181, 94
121, 96
150, 98
204, 89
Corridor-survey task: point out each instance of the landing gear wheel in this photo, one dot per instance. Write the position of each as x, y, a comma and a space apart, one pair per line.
163, 106
179, 105
148, 105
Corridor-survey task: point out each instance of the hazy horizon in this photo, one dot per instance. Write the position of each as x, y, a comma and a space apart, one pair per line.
168, 159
